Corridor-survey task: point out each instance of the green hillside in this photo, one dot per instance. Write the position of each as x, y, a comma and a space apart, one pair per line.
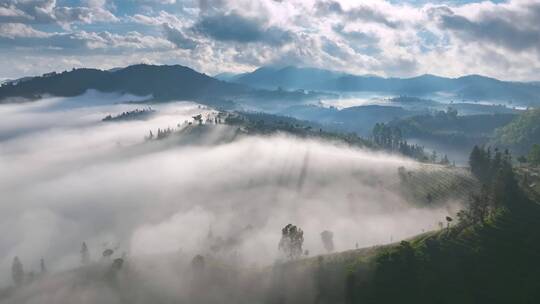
451, 129
520, 134
491, 259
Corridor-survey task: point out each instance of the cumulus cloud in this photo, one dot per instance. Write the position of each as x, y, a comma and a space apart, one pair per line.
362, 12
82, 42
235, 27
372, 37
47, 11
178, 38
512, 27
19, 30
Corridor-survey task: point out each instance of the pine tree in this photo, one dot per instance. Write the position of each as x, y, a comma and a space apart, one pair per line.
17, 272
85, 255
42, 266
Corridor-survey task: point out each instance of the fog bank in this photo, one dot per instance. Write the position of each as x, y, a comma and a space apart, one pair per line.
67, 177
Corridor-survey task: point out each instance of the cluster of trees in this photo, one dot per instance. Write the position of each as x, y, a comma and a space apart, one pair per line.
533, 157
485, 164
499, 184
487, 258
520, 134
20, 277
390, 138
161, 134
197, 119
450, 129
292, 239
130, 115
450, 114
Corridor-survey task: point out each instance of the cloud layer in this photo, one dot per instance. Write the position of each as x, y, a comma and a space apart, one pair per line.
67, 177
389, 38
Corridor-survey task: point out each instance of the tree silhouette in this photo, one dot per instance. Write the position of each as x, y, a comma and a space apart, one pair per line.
292, 239
85, 255
198, 118
534, 155
42, 266
327, 238
17, 272
197, 264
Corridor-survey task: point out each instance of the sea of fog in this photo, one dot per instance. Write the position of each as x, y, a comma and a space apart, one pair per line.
384, 99
66, 177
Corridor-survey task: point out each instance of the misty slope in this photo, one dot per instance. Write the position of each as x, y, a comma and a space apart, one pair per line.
472, 87
490, 262
77, 178
166, 278
494, 263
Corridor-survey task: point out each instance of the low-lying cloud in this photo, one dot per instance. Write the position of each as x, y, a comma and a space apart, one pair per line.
67, 178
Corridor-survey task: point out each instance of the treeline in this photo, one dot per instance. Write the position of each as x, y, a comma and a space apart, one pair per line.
391, 138
131, 115
520, 134
266, 124
22, 278
384, 137
214, 118
450, 128
500, 188
533, 157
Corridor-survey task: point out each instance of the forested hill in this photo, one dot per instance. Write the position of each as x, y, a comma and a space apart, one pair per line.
161, 82
520, 134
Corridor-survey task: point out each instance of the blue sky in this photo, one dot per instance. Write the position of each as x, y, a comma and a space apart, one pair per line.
389, 38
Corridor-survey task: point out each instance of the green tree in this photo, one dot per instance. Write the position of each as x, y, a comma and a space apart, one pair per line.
505, 187
534, 155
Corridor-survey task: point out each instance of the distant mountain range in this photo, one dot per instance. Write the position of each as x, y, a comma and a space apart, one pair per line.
472, 87
162, 83
288, 85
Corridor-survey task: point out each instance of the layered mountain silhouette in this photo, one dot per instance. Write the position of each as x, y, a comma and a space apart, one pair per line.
175, 82
163, 83
471, 87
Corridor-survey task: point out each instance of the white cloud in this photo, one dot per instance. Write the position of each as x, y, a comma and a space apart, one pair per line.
372, 37
19, 30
